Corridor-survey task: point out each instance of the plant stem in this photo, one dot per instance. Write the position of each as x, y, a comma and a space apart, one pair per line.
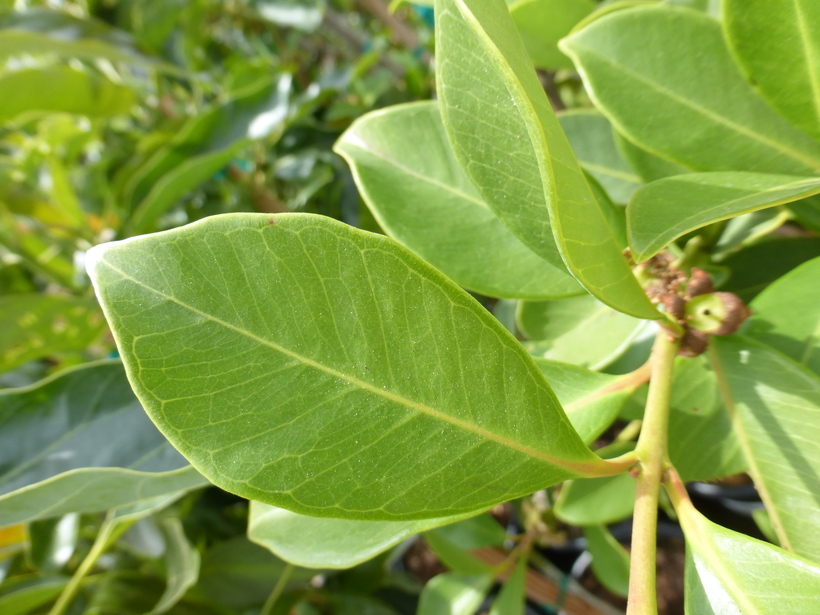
97, 549
277, 591
652, 455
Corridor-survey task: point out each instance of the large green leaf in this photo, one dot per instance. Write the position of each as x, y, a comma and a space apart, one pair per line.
542, 23
785, 315
647, 165
305, 364
509, 142
664, 210
728, 573
406, 172
80, 442
593, 142
35, 326
453, 594
644, 68
777, 43
62, 89
776, 407
578, 330
316, 542
40, 31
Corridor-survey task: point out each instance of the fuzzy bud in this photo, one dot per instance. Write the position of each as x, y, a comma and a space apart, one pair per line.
693, 344
700, 283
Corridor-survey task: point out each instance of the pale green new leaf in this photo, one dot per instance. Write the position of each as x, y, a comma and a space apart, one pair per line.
786, 316
316, 542
593, 142
36, 326
642, 72
407, 174
61, 89
776, 406
610, 561
578, 330
542, 23
453, 594
80, 442
287, 357
777, 43
731, 574
510, 144
510, 600
664, 210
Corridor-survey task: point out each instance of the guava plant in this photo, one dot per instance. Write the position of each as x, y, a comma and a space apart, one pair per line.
348, 385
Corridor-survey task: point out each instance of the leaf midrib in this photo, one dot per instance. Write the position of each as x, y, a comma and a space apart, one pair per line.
422, 408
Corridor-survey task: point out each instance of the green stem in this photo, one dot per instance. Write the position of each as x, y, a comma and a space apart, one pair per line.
101, 543
652, 455
277, 591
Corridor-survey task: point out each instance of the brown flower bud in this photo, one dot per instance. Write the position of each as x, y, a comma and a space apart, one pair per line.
736, 312
694, 342
699, 283
675, 306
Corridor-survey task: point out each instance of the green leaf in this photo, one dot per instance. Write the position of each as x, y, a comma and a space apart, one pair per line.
455, 557
509, 142
474, 532
38, 325
593, 142
542, 23
80, 442
727, 572
703, 444
206, 144
610, 561
591, 400
776, 404
785, 315
22, 598
284, 356
453, 594
511, 598
181, 565
665, 210
315, 542
755, 267
61, 89
406, 172
647, 165
644, 68
748, 228
777, 44
39, 31
52, 541
579, 330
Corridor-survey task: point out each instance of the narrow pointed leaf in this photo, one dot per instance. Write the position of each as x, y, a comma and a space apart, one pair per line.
664, 210
776, 407
509, 142
288, 356
640, 69
181, 565
316, 542
610, 561
511, 598
777, 43
453, 594
785, 315
728, 573
593, 142
408, 176
578, 330
542, 23
80, 442
454, 556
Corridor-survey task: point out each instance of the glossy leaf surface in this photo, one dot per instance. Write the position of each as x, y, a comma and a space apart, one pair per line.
286, 357
509, 142
640, 69
593, 142
665, 210
728, 573
454, 594
315, 542
785, 315
408, 176
578, 330
80, 442
542, 23
776, 403
35, 326
777, 43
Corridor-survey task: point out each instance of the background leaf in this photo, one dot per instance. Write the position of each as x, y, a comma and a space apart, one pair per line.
510, 600
610, 561
291, 385
664, 98
453, 594
409, 178
542, 23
